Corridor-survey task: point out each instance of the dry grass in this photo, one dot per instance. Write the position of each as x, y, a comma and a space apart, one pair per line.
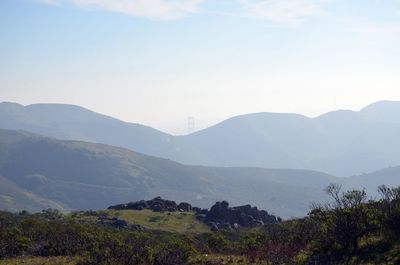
167, 221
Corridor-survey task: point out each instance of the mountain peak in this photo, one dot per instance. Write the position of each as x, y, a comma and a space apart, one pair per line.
54, 105
10, 105
338, 114
383, 104
383, 111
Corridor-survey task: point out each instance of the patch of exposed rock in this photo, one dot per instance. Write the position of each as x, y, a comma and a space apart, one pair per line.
157, 204
222, 216
117, 223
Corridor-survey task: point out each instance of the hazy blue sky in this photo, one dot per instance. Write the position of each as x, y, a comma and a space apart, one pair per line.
157, 61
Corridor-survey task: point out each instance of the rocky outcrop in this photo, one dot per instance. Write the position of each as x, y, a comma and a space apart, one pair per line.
112, 222
117, 223
157, 204
224, 217
185, 207
219, 217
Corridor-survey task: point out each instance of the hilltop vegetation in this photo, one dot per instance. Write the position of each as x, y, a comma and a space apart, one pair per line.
351, 230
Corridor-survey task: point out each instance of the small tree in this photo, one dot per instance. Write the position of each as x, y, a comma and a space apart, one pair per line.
343, 222
390, 210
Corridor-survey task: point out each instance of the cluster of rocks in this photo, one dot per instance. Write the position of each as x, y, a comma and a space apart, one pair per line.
117, 223
221, 216
157, 204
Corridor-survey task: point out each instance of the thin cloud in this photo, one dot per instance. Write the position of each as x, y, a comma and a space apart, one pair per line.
284, 12
370, 27
291, 12
151, 9
388, 29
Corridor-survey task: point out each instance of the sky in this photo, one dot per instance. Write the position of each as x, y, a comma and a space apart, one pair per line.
158, 62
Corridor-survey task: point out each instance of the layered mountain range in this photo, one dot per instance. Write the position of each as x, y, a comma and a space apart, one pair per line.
342, 143
81, 175
67, 157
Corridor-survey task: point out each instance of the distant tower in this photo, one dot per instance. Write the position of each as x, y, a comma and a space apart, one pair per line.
191, 125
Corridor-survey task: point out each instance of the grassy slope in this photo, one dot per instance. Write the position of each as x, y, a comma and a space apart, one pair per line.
14, 198
166, 221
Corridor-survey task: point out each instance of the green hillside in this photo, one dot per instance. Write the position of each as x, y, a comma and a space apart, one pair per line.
70, 122
177, 222
13, 198
86, 176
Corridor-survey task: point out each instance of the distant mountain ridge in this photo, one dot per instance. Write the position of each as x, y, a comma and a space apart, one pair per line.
389, 176
70, 122
38, 172
82, 175
342, 143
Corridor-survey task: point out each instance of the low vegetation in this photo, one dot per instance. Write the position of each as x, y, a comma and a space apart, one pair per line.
352, 229
41, 261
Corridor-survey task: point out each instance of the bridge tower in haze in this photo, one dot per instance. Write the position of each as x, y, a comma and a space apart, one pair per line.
191, 125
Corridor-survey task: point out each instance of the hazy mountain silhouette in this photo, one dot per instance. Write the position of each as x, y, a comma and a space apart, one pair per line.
342, 143
383, 111
84, 175
72, 122
388, 176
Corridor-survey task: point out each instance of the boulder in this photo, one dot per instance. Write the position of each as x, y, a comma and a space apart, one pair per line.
185, 207
119, 223
245, 215
196, 210
113, 222
203, 211
225, 226
201, 217
136, 227
213, 226
158, 208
